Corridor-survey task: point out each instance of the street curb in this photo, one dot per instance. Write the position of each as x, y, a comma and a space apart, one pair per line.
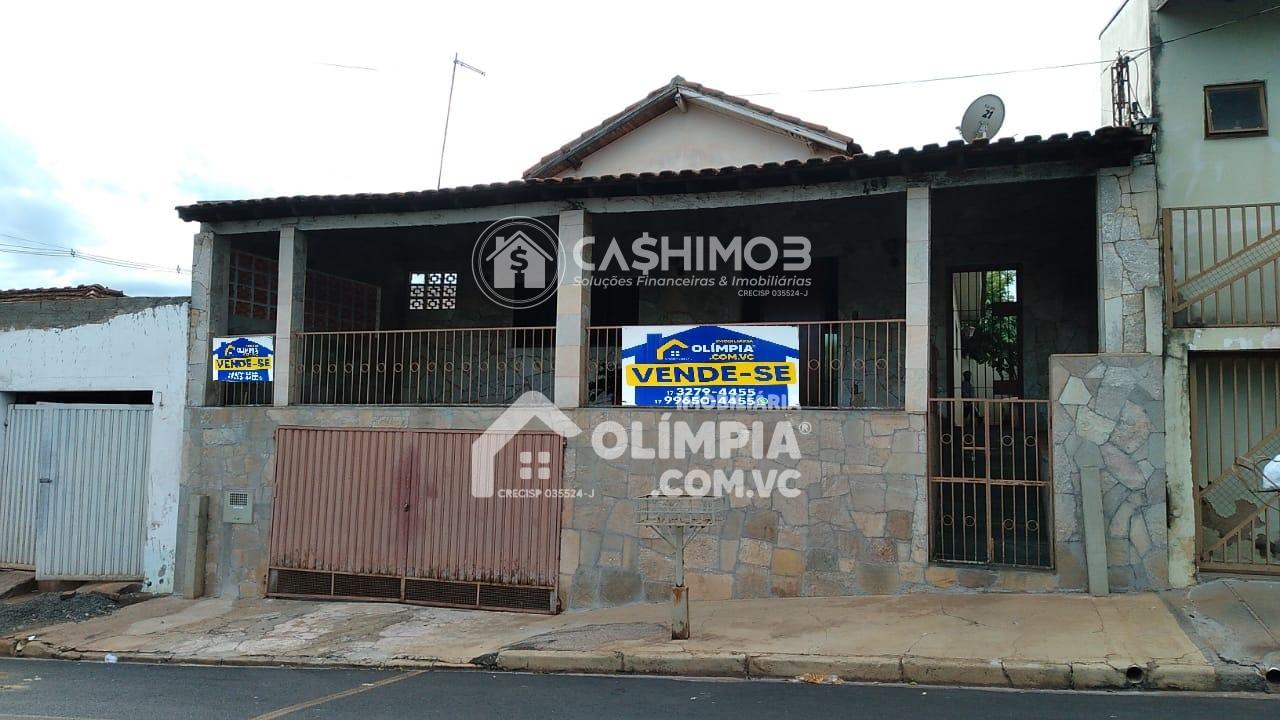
682, 663
973, 672
560, 661
37, 650
865, 668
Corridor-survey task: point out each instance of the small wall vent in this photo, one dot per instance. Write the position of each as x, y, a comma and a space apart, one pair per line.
237, 507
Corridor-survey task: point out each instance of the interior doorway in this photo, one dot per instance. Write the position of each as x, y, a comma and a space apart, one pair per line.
985, 351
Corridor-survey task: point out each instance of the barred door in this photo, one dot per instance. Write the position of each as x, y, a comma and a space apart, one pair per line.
1235, 432
990, 482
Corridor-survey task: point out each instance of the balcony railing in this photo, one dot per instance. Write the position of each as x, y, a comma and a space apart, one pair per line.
843, 364
1222, 265
470, 366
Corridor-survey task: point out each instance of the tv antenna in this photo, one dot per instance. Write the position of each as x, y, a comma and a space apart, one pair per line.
983, 118
449, 111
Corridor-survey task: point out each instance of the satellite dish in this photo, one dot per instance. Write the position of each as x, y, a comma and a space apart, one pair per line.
983, 118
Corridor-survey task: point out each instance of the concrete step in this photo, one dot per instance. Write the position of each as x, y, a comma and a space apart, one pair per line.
16, 582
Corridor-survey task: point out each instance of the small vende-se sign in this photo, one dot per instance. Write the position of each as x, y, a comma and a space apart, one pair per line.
247, 358
715, 366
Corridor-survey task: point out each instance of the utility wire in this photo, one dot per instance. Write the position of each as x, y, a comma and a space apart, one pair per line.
37, 248
995, 73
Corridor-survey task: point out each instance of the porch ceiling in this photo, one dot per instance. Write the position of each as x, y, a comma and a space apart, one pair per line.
1105, 147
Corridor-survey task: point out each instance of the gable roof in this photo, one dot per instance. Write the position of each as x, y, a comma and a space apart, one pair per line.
675, 94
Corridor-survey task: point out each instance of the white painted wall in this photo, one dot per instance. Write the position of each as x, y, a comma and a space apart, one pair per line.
1193, 170
1129, 30
693, 140
144, 350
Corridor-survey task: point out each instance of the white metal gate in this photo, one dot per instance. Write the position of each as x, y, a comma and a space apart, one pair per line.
88, 477
18, 474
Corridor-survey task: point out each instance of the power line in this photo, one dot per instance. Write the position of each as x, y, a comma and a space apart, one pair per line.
995, 73
920, 81
37, 248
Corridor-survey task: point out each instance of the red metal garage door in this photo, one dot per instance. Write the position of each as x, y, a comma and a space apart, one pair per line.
388, 515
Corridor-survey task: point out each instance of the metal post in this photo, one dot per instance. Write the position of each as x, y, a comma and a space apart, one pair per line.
679, 593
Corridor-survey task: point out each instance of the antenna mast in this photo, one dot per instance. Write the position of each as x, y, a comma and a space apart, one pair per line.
449, 111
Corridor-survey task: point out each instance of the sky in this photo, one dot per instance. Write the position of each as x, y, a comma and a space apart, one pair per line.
113, 113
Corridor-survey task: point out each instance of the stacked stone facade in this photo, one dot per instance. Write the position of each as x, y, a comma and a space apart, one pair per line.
1108, 415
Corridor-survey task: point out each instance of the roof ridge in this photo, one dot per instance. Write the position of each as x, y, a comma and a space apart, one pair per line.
597, 136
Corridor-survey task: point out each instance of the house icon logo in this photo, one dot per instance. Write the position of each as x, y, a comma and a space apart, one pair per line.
517, 262
530, 406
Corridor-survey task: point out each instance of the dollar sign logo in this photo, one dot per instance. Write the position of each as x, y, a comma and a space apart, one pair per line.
518, 261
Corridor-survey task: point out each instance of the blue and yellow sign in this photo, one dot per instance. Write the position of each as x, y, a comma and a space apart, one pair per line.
243, 359
718, 366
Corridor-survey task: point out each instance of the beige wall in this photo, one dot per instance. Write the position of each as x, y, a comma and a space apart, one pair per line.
693, 140
1194, 170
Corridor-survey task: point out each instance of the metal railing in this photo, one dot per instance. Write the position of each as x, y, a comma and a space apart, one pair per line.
991, 482
1222, 265
843, 364
229, 394
469, 366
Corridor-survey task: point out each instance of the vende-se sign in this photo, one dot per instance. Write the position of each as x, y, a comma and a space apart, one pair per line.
248, 358
714, 366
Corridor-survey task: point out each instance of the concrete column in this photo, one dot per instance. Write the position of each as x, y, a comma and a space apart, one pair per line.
573, 312
917, 360
1181, 484
210, 276
289, 309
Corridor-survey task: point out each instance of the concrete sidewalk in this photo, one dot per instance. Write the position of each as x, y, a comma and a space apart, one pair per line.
1046, 641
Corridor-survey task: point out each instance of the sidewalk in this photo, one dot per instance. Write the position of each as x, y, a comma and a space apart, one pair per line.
1047, 641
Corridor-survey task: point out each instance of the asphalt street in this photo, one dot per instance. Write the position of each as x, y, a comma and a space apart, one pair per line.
60, 690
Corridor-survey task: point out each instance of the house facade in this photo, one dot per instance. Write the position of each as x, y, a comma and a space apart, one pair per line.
91, 412
1204, 96
978, 375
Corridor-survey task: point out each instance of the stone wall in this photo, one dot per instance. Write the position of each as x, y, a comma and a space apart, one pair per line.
1129, 259
858, 526
1108, 414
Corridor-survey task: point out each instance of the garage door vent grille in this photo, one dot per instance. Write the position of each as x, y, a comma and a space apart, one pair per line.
512, 597
301, 582
441, 592
367, 586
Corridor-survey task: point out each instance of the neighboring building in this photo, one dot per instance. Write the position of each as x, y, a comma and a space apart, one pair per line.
1205, 97
985, 269
62, 293
687, 126
92, 392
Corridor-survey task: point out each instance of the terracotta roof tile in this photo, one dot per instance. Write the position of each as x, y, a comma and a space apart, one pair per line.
75, 292
1105, 147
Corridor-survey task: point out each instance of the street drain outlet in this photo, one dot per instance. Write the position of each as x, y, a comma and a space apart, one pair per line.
1135, 674
1273, 677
